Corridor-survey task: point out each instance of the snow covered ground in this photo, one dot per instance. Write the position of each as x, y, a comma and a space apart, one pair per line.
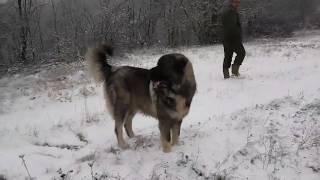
263, 126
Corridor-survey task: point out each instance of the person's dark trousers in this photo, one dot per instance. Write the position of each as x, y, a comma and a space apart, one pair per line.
229, 49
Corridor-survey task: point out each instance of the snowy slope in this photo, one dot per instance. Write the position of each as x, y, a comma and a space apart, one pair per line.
263, 126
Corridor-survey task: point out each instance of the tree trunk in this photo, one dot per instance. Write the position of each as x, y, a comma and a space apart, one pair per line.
23, 35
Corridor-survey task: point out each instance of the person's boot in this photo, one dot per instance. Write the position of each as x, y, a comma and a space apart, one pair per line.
226, 74
235, 70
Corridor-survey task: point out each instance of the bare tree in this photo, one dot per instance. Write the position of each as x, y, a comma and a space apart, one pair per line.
24, 29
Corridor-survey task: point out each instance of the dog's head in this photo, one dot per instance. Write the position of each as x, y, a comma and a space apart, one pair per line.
174, 82
170, 69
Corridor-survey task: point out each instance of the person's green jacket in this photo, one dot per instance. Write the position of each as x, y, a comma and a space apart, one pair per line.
231, 25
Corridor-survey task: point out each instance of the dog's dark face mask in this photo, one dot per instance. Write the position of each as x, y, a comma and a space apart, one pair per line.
165, 95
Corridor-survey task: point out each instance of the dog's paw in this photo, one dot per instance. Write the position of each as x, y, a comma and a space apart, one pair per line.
131, 135
166, 150
175, 142
166, 147
124, 146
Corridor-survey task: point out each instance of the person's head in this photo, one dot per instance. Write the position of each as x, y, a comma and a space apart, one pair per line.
235, 3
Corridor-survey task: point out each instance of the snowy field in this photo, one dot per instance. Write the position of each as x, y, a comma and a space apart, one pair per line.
263, 126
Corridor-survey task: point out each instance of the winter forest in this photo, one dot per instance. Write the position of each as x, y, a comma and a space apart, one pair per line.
56, 124
34, 31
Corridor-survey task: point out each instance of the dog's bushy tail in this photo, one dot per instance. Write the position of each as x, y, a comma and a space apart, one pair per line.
97, 63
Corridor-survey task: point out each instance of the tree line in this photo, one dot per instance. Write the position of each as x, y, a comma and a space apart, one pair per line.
36, 31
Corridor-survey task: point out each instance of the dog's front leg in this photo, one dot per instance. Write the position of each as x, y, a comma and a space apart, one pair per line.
165, 136
176, 132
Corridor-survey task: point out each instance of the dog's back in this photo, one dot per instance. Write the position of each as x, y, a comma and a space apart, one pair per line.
131, 87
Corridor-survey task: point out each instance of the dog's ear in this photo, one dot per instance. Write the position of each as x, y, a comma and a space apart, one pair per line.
107, 48
155, 74
179, 66
172, 62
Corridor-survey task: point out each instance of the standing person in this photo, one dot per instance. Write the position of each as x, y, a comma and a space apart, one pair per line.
232, 38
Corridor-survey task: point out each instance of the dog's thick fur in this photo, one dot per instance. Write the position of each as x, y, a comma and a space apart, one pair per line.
164, 92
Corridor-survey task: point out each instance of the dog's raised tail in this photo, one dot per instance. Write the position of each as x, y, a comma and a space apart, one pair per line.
97, 63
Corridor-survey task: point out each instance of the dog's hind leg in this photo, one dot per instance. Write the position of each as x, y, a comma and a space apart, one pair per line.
165, 136
128, 124
176, 132
118, 130
119, 114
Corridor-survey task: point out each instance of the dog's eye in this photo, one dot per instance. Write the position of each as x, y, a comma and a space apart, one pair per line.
170, 101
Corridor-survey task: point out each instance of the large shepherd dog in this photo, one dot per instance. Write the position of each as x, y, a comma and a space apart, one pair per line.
164, 92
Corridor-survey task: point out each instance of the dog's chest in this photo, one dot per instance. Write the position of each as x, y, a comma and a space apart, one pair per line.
153, 99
